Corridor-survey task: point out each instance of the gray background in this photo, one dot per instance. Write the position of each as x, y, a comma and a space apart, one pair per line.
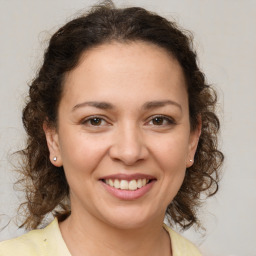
225, 40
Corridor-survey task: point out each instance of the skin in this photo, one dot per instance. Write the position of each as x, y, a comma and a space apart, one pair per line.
127, 139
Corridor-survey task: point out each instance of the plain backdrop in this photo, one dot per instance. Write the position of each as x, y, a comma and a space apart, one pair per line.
225, 40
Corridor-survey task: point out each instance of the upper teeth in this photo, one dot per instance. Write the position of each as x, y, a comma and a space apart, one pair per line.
125, 184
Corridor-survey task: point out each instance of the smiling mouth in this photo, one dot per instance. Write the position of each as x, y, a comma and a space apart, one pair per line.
127, 185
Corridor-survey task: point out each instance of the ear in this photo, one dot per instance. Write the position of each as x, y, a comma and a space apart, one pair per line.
52, 139
193, 142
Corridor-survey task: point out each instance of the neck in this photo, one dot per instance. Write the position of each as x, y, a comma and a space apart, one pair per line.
93, 237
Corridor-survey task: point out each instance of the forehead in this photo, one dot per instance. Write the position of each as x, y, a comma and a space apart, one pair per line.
125, 68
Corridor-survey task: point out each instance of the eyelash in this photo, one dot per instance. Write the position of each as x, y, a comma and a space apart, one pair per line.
168, 120
91, 118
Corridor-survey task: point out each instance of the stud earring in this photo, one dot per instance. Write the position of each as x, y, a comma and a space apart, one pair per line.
55, 159
191, 160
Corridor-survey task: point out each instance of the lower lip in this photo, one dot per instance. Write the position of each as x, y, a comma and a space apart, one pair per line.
129, 194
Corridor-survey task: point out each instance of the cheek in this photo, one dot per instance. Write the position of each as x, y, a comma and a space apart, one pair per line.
170, 156
171, 152
82, 153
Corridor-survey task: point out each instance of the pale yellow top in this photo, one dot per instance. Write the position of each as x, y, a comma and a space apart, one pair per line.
49, 242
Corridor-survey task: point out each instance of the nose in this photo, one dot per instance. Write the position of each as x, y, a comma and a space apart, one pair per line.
128, 145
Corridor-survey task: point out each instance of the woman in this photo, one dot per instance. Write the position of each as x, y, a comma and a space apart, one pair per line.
122, 132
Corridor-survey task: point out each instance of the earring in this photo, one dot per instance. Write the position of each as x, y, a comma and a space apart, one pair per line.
55, 159
191, 160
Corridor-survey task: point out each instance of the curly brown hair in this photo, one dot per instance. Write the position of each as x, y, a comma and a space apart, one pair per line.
46, 187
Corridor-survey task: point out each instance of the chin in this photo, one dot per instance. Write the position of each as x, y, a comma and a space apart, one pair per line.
128, 223
129, 218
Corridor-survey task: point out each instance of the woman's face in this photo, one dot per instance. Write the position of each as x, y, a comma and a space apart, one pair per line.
123, 134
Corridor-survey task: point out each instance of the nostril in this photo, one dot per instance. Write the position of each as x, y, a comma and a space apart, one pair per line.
128, 155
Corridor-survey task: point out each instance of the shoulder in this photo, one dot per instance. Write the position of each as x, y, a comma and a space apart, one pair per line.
47, 241
180, 245
29, 244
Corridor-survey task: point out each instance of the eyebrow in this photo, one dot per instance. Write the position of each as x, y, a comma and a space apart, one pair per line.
146, 106
161, 103
96, 104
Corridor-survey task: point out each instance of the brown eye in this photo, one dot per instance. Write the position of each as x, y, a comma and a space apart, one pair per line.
161, 121
95, 121
158, 120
